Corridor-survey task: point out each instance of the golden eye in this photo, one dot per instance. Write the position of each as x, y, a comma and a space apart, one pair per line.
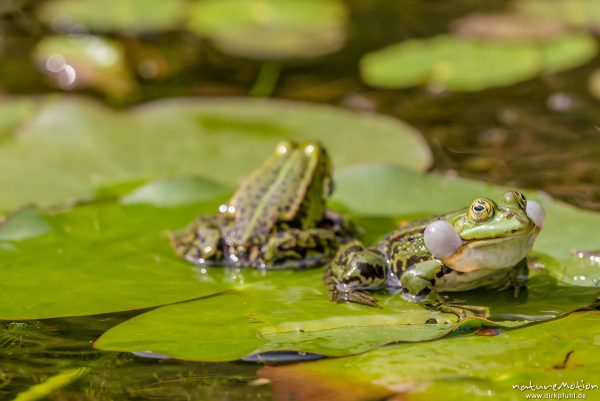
480, 210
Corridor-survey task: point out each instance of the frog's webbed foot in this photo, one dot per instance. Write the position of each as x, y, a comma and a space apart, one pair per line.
340, 294
517, 278
201, 244
354, 270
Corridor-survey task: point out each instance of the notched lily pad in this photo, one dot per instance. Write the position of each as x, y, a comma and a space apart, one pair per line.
128, 16
85, 61
289, 311
97, 147
271, 29
461, 64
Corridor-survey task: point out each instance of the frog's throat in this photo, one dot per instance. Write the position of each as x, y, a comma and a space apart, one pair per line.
493, 253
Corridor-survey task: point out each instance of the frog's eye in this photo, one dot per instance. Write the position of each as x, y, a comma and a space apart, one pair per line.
480, 210
284, 147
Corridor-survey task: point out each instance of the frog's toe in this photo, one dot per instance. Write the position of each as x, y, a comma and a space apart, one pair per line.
345, 294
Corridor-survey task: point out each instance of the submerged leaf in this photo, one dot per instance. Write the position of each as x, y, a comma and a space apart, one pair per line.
473, 367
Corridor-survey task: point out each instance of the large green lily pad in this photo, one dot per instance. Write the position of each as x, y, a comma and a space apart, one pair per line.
461, 64
129, 16
271, 29
483, 367
71, 147
85, 61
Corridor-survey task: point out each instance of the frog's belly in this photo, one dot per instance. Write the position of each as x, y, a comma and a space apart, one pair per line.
459, 281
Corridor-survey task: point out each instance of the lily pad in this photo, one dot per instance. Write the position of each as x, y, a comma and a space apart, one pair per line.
53, 158
97, 258
467, 367
129, 16
289, 311
271, 29
460, 64
85, 61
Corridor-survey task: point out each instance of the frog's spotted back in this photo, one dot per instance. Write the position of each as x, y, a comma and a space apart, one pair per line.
276, 219
272, 193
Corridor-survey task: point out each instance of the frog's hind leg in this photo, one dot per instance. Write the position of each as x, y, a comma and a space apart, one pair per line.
202, 243
354, 270
295, 248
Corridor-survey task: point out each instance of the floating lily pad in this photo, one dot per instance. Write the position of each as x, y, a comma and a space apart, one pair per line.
74, 146
495, 365
113, 15
97, 258
579, 13
85, 61
271, 29
460, 64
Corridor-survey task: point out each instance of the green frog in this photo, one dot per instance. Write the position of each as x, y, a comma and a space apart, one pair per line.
276, 219
484, 245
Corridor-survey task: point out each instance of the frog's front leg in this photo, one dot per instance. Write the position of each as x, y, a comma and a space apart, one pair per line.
354, 270
295, 248
418, 282
202, 243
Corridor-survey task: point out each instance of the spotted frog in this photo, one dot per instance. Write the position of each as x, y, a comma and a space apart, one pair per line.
276, 219
484, 245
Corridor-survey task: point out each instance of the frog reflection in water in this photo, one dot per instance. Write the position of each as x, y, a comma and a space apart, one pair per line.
484, 245
276, 219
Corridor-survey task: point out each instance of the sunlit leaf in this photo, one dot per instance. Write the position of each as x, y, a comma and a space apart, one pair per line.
85, 61
72, 147
497, 365
271, 29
